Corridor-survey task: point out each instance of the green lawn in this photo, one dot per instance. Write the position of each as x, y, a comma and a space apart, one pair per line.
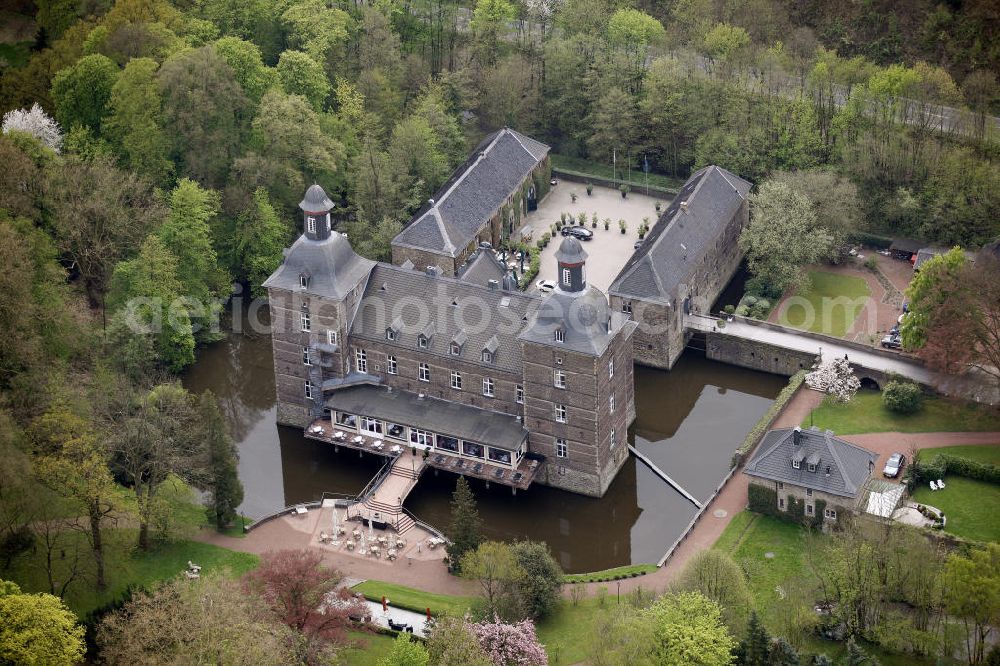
371, 648
607, 574
601, 170
126, 566
865, 413
831, 305
415, 600
969, 506
989, 454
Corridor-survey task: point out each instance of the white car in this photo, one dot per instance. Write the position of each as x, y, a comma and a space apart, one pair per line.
545, 286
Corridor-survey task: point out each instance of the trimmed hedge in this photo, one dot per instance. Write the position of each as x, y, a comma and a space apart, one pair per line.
762, 499
944, 464
762, 426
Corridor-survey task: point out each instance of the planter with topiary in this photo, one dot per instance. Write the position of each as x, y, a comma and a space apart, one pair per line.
607, 223
622, 226
658, 206
590, 189
624, 189
572, 197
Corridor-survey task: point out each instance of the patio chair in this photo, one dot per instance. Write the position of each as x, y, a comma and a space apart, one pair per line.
940, 484
933, 486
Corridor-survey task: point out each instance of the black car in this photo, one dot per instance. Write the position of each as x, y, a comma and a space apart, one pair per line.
578, 232
892, 342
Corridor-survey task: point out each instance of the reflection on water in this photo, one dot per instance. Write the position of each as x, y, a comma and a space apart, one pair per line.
689, 422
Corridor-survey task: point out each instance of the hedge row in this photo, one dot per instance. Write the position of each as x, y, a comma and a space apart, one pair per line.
944, 464
762, 426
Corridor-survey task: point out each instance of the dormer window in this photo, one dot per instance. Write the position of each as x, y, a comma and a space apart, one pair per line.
457, 343
456, 349
627, 307
303, 281
560, 335
422, 341
796, 464
812, 468
487, 357
395, 328
390, 335
490, 349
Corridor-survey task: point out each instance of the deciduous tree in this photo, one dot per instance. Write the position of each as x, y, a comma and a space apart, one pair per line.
135, 120
81, 92
299, 74
688, 629
405, 652
37, 629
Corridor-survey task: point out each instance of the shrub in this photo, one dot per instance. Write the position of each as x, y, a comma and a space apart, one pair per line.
582, 217
902, 397
590, 189
593, 218
562, 218
750, 301
607, 223
759, 286
743, 311
572, 197
540, 243
762, 499
870, 263
730, 309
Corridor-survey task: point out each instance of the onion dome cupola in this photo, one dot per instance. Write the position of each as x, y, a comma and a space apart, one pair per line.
572, 259
316, 207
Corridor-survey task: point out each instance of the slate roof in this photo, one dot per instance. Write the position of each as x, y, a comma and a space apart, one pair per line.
438, 306
331, 264
427, 413
584, 318
481, 267
315, 200
473, 193
848, 464
679, 239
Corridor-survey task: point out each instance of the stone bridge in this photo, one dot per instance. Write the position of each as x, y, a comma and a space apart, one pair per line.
782, 350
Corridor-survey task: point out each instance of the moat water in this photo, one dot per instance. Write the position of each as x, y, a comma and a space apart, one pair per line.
689, 421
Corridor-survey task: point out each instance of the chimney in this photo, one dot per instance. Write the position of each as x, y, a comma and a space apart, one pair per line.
494, 285
797, 436
433, 271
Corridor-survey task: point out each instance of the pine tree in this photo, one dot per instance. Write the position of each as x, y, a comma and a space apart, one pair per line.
781, 653
226, 491
752, 650
856, 656
465, 523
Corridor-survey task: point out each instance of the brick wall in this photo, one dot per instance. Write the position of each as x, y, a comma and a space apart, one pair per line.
757, 355
785, 490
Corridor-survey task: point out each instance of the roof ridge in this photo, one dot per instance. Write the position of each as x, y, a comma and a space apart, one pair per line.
778, 442
457, 280
517, 137
479, 158
448, 245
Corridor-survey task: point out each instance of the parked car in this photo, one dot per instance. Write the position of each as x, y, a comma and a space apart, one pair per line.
892, 342
578, 232
894, 331
637, 245
894, 465
545, 286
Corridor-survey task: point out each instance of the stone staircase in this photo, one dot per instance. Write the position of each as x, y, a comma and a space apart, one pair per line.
388, 497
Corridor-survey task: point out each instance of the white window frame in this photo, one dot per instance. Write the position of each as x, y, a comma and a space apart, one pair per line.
309, 390
422, 341
310, 224
456, 380
305, 321
488, 387
560, 335
367, 421
830, 513
391, 366
627, 307
303, 281
424, 372
567, 277
614, 438
519, 394
809, 492
456, 349
331, 336
559, 379
810, 510
562, 451
306, 360
361, 360
560, 413
487, 356
611, 402
390, 335
796, 464
611, 368
421, 437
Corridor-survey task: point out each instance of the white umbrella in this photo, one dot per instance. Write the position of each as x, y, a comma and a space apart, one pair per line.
371, 530
336, 522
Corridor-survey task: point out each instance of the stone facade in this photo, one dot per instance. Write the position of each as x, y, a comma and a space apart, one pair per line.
756, 355
834, 507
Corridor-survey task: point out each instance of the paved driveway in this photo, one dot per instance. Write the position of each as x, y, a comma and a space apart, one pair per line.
609, 250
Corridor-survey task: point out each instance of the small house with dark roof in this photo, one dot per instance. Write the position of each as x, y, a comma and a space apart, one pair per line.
684, 264
483, 201
812, 466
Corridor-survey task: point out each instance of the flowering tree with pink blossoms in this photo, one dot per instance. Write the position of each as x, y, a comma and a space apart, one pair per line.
510, 644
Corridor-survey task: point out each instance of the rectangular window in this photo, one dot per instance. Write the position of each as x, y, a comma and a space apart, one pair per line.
488, 387
331, 337
456, 349
560, 447
473, 449
559, 379
499, 456
390, 365
345, 419
611, 368
456, 380
611, 402
519, 394
487, 357
421, 437
394, 430
390, 335
311, 224
303, 282
561, 413
566, 277
304, 319
424, 373
614, 439
422, 342
309, 390
627, 307
361, 360
781, 486
781, 503
830, 513
305, 356
371, 426
796, 464
560, 335
809, 509
809, 492
446, 443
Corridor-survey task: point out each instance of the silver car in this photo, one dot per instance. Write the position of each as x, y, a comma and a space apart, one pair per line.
894, 465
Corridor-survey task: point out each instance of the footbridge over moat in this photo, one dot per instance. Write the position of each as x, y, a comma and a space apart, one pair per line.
764, 346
